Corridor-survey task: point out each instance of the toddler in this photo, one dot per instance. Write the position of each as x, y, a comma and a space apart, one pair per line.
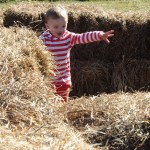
59, 42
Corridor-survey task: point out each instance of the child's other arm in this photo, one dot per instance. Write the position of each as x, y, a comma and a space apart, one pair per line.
89, 37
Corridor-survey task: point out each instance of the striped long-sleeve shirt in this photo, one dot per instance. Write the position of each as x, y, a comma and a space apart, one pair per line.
60, 50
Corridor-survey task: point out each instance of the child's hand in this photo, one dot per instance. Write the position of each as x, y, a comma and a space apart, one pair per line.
106, 35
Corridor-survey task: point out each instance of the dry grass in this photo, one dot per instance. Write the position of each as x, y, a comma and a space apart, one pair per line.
55, 136
131, 75
95, 77
118, 121
1, 17
115, 121
24, 11
24, 76
99, 9
31, 117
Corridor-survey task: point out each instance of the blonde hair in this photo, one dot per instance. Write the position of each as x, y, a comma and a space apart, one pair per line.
56, 13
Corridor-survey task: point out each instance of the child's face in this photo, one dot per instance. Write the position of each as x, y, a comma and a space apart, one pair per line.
57, 27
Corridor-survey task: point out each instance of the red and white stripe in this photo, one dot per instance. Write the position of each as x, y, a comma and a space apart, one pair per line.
60, 50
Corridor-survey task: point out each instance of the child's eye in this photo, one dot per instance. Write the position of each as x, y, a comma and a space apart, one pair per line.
63, 26
55, 27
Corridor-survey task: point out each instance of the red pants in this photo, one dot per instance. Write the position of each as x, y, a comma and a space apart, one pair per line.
63, 91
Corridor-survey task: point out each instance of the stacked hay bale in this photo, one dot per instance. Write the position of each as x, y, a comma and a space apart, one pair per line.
24, 77
90, 77
130, 44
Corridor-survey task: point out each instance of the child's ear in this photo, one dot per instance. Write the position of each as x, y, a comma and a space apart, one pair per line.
46, 25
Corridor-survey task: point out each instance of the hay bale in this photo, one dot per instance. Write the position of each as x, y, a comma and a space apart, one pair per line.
72, 23
130, 28
131, 75
93, 76
86, 22
54, 136
1, 17
119, 120
12, 18
25, 83
90, 77
130, 40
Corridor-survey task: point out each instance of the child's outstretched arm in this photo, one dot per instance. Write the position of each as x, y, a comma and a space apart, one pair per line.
89, 37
